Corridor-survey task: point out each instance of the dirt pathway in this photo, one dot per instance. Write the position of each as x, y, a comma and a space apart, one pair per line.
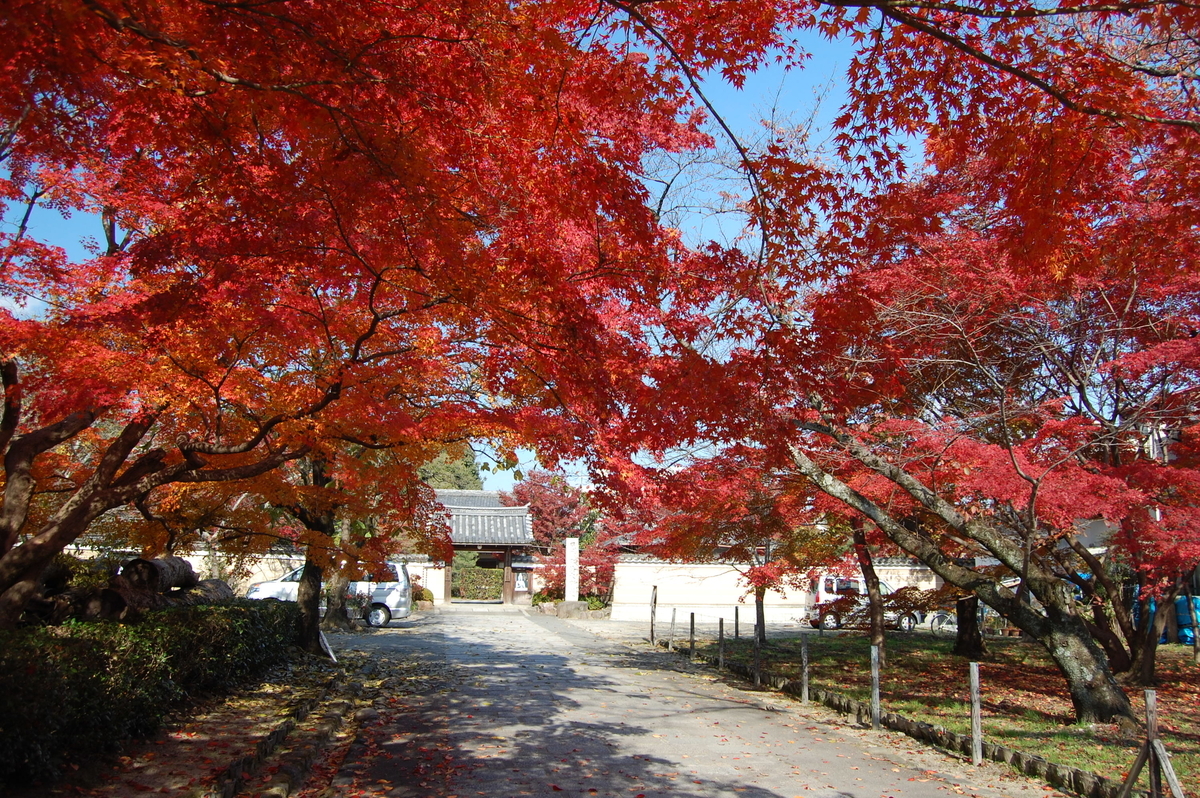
536, 706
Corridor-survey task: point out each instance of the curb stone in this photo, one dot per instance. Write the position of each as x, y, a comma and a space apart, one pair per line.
230, 780
1081, 782
295, 762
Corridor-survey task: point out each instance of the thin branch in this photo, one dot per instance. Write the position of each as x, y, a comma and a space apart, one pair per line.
1045, 86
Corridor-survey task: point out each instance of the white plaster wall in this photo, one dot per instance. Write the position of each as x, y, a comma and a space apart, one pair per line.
909, 576
263, 569
432, 576
248, 572
711, 590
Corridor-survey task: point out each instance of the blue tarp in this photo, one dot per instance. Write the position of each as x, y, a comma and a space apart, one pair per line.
1183, 618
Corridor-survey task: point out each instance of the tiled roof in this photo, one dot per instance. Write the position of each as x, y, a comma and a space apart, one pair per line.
469, 498
478, 519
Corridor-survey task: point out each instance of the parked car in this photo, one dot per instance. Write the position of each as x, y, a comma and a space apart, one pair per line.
386, 598
841, 601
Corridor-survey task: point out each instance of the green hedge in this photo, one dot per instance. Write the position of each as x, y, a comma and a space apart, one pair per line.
76, 691
480, 584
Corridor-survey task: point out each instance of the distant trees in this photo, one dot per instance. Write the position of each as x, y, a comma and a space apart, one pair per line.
559, 510
451, 470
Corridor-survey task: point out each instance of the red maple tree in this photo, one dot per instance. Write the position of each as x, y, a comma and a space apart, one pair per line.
426, 218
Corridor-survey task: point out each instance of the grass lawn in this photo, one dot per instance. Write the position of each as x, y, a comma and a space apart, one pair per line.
1025, 701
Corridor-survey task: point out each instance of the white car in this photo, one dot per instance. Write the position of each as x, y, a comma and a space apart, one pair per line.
388, 599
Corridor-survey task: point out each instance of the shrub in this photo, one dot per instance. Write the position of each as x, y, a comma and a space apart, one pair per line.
480, 584
554, 596
546, 597
422, 594
78, 690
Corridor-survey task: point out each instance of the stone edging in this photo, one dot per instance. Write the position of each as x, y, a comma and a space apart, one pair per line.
230, 780
295, 764
551, 608
1081, 782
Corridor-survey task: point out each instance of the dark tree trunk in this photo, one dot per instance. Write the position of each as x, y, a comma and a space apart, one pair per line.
121, 601
969, 640
1191, 600
1095, 694
1149, 632
308, 597
206, 591
337, 616
105, 605
874, 596
126, 471
1114, 646
88, 604
760, 615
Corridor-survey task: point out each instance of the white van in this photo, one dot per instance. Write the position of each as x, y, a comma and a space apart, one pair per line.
390, 598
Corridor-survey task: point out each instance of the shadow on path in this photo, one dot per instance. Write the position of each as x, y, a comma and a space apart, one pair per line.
532, 706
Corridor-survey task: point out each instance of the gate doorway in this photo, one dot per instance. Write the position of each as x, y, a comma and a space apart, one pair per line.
477, 576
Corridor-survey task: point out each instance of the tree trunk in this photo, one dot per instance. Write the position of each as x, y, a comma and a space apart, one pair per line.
1119, 659
760, 615
120, 478
337, 616
308, 597
106, 605
1191, 600
1148, 634
969, 640
206, 591
88, 604
874, 596
22, 567
1095, 694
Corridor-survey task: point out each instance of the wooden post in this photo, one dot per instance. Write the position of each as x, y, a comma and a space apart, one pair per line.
1151, 736
976, 718
1155, 753
691, 635
508, 587
671, 639
737, 632
875, 708
653, 610
803, 669
721, 644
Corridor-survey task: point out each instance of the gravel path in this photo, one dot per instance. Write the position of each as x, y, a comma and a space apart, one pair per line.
531, 705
